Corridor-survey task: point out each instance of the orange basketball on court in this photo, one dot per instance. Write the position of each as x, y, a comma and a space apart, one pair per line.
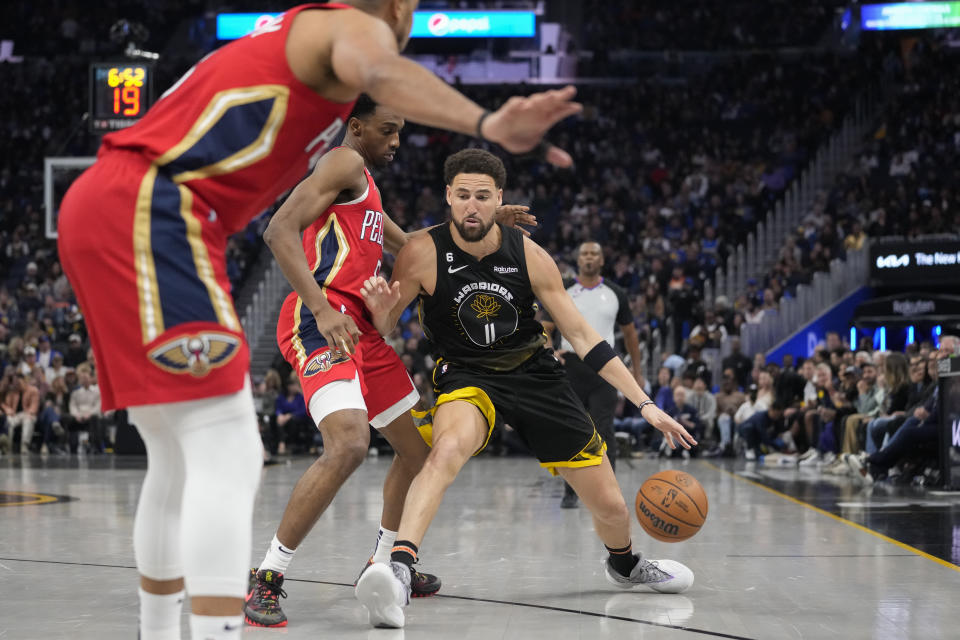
671, 506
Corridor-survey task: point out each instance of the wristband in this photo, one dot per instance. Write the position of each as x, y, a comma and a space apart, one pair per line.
643, 404
599, 356
483, 116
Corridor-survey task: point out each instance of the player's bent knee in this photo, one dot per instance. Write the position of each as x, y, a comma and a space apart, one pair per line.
448, 456
347, 455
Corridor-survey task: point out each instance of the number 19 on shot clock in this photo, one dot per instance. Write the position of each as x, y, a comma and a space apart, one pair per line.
120, 93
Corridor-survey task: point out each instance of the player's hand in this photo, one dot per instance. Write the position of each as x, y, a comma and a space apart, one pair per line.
379, 296
513, 215
338, 329
520, 123
672, 430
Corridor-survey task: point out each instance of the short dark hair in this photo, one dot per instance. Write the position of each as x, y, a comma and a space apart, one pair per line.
363, 108
475, 161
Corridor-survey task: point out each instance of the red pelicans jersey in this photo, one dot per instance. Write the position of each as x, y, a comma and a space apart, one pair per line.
238, 128
143, 232
344, 247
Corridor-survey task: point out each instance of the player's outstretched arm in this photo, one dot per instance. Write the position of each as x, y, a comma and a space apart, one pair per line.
337, 171
386, 302
548, 287
364, 56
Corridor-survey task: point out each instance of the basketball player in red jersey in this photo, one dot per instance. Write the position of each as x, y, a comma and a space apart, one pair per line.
142, 236
340, 214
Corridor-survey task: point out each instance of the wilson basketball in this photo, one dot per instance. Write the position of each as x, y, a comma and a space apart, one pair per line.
671, 506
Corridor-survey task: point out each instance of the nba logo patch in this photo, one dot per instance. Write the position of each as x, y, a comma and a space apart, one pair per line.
324, 362
196, 354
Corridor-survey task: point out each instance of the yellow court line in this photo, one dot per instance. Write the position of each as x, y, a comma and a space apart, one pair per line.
876, 534
39, 498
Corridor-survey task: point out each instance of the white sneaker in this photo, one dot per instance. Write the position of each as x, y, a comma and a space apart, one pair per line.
809, 459
751, 455
663, 576
837, 468
828, 458
384, 590
858, 467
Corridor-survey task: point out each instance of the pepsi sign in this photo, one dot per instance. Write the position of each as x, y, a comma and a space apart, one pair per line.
474, 24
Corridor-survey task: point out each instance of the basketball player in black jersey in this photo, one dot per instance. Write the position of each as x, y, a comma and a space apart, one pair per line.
477, 282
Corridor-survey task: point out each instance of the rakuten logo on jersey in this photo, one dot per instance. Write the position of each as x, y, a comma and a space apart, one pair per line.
893, 261
440, 24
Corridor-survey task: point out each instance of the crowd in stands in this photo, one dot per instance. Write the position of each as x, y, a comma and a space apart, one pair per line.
669, 177
698, 25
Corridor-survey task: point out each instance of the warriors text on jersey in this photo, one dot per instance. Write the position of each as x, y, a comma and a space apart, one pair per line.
143, 232
482, 311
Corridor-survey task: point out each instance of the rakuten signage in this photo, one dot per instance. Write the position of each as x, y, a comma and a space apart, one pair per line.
426, 24
918, 263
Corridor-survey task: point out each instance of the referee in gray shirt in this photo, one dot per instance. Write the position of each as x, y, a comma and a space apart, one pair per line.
605, 306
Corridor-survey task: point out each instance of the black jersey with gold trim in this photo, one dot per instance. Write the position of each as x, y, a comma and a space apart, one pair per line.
482, 311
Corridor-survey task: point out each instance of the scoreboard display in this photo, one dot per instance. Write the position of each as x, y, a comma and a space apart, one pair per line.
120, 93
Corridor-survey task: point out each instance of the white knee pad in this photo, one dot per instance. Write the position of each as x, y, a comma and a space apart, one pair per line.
195, 515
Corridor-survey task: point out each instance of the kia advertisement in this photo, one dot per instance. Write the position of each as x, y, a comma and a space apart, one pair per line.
917, 263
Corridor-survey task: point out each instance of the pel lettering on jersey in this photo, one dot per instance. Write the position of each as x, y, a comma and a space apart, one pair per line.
372, 220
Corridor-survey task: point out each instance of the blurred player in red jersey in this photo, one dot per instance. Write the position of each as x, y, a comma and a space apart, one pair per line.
142, 235
350, 377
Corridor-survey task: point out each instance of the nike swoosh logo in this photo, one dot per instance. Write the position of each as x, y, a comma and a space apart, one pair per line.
452, 270
230, 627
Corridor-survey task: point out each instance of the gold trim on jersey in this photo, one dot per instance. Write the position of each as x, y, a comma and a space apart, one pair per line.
343, 248
219, 299
211, 115
590, 456
472, 395
148, 292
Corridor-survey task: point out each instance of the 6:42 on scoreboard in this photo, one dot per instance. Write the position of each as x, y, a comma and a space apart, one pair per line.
120, 93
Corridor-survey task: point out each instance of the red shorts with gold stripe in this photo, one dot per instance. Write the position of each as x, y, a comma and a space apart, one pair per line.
146, 259
387, 388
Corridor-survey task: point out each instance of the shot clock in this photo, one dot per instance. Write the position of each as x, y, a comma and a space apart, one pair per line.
120, 93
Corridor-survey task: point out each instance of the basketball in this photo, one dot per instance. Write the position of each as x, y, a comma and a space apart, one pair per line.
671, 506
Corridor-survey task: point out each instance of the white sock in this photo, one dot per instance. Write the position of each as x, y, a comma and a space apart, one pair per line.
385, 540
160, 615
278, 557
215, 627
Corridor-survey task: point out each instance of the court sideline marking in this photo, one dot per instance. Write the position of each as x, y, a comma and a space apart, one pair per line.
851, 523
714, 634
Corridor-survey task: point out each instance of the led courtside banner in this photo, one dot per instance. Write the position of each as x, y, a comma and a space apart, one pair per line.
426, 24
909, 15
